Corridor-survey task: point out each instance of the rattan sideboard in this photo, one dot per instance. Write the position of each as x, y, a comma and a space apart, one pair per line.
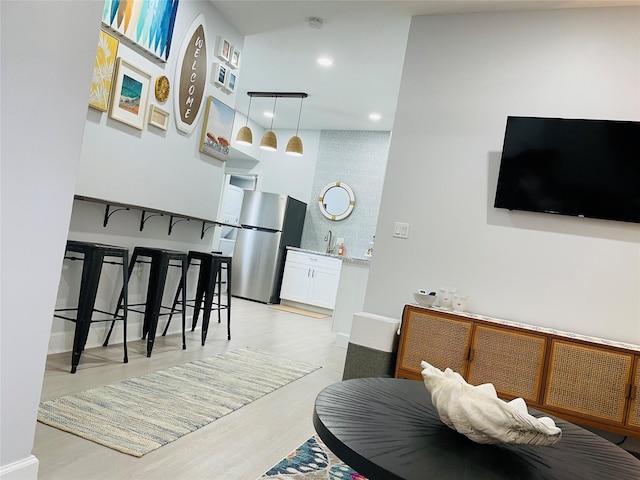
587, 381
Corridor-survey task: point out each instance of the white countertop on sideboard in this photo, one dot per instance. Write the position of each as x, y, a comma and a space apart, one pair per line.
344, 258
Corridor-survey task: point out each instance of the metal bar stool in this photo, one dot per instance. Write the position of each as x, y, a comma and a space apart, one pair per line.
209, 275
160, 260
93, 257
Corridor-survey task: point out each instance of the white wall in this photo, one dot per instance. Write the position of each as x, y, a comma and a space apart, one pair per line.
42, 119
463, 75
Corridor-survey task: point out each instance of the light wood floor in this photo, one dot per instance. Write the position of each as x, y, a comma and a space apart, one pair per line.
242, 445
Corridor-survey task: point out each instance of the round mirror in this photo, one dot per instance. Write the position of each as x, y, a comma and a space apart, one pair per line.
336, 201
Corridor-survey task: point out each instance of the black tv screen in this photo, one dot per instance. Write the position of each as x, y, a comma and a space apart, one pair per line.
586, 168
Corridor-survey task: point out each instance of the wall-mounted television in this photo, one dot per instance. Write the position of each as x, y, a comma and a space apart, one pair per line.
585, 168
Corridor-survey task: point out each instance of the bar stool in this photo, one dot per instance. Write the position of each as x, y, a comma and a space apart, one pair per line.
209, 275
93, 257
160, 260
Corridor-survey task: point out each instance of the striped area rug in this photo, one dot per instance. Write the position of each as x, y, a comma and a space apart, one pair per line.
142, 414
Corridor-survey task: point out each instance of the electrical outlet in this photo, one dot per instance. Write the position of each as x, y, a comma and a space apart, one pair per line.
401, 230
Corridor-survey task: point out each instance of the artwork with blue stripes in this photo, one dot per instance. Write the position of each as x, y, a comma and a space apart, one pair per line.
147, 23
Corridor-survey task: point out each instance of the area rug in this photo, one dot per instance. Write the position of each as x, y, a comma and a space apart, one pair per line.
299, 311
142, 414
312, 461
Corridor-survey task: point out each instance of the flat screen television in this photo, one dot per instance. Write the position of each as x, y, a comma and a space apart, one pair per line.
585, 168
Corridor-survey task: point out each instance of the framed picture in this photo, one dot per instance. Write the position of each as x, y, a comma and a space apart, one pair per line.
158, 117
130, 94
224, 49
149, 25
220, 74
103, 66
217, 129
235, 58
230, 82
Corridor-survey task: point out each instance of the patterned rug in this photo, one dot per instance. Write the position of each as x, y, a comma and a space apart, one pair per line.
142, 414
312, 461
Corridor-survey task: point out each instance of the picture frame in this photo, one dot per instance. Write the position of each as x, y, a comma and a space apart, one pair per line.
130, 94
224, 49
234, 61
217, 129
103, 67
158, 117
230, 81
219, 72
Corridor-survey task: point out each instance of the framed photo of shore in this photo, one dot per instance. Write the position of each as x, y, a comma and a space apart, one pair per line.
224, 49
217, 129
234, 61
130, 94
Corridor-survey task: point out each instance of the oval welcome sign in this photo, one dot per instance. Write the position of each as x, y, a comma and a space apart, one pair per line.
191, 76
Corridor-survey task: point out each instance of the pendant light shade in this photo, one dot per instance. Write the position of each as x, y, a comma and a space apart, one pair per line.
245, 136
294, 147
269, 141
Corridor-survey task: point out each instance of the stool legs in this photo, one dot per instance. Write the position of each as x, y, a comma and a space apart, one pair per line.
91, 269
125, 298
157, 280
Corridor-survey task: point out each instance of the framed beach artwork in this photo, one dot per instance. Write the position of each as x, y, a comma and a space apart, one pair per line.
130, 94
217, 129
230, 81
149, 25
103, 66
219, 73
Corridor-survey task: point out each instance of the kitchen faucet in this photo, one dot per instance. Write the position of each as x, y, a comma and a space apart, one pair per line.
327, 238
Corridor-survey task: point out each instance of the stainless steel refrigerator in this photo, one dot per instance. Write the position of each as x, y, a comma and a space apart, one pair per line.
270, 222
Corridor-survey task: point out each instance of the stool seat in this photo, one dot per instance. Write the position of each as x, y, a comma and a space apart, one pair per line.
93, 257
209, 276
160, 260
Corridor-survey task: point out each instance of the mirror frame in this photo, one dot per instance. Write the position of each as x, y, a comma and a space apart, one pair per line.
352, 201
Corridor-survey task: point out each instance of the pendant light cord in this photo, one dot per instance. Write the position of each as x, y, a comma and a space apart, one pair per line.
248, 110
275, 101
299, 115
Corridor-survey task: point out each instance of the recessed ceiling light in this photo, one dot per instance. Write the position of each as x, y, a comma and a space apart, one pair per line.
268, 114
325, 61
374, 116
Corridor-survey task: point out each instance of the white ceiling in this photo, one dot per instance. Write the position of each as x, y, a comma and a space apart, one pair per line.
366, 40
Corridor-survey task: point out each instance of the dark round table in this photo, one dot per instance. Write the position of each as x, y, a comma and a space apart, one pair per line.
387, 428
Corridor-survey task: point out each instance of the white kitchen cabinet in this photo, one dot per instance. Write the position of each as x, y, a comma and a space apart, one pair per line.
311, 278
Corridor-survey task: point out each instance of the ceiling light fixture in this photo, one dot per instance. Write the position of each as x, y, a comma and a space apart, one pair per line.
374, 116
294, 147
269, 140
325, 61
245, 136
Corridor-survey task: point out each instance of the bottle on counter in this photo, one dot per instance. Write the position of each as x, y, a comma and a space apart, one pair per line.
340, 246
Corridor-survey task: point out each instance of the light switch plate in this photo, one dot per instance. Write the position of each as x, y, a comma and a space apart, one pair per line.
401, 230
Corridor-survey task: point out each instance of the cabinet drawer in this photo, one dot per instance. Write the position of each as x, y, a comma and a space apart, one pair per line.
312, 260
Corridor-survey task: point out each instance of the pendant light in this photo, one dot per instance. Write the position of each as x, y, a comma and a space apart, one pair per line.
269, 141
245, 136
294, 147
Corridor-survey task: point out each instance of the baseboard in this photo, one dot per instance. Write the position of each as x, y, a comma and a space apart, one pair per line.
306, 306
25, 469
342, 340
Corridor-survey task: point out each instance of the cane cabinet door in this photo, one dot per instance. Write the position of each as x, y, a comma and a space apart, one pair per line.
512, 361
633, 416
588, 381
437, 338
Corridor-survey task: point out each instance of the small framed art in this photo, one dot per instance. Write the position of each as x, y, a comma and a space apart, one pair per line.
224, 49
158, 117
130, 94
217, 129
220, 74
234, 62
230, 81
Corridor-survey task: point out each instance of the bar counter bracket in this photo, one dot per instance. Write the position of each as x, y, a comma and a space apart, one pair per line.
108, 214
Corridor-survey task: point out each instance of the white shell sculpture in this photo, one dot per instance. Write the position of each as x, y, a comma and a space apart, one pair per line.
480, 415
